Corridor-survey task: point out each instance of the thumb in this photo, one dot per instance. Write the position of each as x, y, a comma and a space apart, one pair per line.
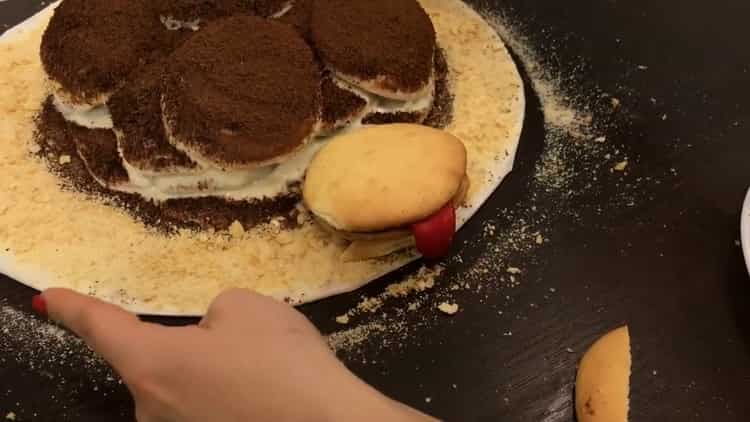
109, 330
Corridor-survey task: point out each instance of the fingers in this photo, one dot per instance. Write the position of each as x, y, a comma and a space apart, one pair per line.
231, 307
112, 332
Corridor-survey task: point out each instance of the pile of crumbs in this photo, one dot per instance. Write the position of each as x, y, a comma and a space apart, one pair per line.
420, 282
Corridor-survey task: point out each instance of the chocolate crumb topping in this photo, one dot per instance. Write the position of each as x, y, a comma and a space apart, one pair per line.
56, 137
389, 39
441, 114
203, 10
136, 113
396, 117
268, 8
98, 150
338, 104
243, 90
299, 17
90, 46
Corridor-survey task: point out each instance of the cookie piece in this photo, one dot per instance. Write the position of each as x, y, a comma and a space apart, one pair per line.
603, 381
386, 47
243, 92
384, 177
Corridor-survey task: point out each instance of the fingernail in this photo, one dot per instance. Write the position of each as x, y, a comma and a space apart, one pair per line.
39, 305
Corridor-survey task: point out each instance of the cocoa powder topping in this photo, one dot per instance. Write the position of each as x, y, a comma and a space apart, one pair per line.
389, 39
136, 113
241, 91
90, 46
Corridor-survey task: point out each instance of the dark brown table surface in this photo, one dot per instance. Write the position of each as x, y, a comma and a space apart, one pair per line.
668, 265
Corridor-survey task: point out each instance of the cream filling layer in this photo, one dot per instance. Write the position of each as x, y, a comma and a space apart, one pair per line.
266, 181
262, 182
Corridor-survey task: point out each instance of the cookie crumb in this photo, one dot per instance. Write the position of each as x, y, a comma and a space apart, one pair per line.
448, 308
343, 319
621, 166
236, 229
65, 159
10, 416
514, 270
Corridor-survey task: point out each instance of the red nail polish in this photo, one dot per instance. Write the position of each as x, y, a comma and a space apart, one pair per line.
39, 305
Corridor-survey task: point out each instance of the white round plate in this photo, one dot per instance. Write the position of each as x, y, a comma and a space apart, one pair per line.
745, 230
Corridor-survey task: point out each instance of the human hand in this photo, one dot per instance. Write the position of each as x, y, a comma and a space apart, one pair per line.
250, 359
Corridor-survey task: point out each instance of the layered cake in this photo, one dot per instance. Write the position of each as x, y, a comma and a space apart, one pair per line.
156, 157
178, 103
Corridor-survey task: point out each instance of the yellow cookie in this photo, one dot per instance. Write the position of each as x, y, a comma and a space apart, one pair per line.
603, 382
384, 177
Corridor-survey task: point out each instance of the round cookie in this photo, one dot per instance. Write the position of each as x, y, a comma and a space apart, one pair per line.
91, 46
384, 177
386, 47
241, 93
136, 117
603, 381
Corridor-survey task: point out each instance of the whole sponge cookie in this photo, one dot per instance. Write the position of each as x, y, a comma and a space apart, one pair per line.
91, 46
241, 93
386, 47
384, 177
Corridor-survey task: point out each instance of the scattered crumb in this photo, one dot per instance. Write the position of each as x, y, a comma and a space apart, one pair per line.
448, 308
428, 399
65, 159
343, 319
513, 270
621, 166
236, 229
600, 139
539, 239
614, 102
10, 416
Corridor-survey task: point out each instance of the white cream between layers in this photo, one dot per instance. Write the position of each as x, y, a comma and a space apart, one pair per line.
263, 182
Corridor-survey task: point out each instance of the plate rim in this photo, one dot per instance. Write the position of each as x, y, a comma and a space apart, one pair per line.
745, 230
